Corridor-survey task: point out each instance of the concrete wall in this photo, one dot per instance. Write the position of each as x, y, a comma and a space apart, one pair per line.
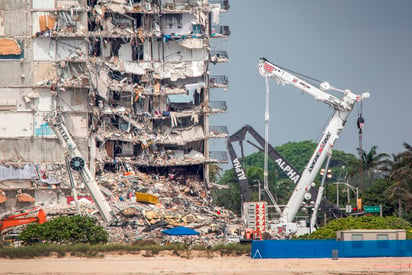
36, 150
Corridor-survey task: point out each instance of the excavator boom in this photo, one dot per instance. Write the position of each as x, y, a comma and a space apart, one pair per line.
18, 219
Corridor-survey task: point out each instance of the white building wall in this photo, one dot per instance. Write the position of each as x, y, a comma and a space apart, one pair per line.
14, 125
43, 4
44, 49
15, 22
2, 23
125, 52
170, 25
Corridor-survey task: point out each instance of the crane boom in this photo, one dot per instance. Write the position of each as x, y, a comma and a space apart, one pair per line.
342, 108
77, 163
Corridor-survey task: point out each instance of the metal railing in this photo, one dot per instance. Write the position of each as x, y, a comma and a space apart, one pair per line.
220, 105
218, 155
224, 4
218, 81
219, 56
219, 130
221, 30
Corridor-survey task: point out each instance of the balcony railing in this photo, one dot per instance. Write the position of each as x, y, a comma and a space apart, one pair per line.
219, 57
218, 131
218, 105
220, 31
219, 156
224, 4
218, 81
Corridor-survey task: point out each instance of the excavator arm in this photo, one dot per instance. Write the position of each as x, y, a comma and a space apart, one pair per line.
283, 164
18, 219
290, 171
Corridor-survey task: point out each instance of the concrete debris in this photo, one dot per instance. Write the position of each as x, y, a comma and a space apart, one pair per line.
182, 200
137, 74
3, 197
218, 59
24, 197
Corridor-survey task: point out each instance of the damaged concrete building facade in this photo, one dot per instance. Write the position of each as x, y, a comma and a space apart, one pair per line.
130, 79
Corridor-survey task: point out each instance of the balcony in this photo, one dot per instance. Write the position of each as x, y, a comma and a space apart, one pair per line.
218, 81
219, 57
218, 157
224, 4
217, 106
219, 31
218, 132
169, 6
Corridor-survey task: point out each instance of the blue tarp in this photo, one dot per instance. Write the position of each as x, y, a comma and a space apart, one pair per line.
180, 231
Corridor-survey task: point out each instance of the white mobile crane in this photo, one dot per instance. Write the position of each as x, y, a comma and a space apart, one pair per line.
77, 163
342, 108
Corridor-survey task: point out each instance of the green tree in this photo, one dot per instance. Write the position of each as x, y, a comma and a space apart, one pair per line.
368, 168
229, 197
400, 190
215, 172
373, 196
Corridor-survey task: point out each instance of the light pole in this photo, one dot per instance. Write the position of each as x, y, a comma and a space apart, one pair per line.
353, 188
259, 183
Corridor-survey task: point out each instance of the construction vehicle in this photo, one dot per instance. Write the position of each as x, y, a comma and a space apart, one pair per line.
77, 163
290, 171
342, 107
20, 219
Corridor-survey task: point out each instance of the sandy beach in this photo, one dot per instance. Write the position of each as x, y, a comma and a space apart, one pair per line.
167, 264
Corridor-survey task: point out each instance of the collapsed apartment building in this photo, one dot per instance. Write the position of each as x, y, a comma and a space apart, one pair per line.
130, 80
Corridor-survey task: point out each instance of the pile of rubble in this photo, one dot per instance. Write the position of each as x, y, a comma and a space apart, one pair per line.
173, 201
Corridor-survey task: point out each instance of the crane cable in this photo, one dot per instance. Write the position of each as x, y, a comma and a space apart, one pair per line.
360, 123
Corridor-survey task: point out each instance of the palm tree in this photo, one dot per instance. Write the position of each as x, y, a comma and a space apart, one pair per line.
215, 172
400, 176
254, 174
370, 165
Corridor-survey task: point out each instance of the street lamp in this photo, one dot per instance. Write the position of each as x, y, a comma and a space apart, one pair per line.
329, 176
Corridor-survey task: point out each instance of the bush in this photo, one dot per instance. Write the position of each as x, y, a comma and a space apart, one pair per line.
365, 222
99, 250
65, 230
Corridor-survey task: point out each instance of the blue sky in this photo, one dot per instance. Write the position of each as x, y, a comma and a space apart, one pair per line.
361, 45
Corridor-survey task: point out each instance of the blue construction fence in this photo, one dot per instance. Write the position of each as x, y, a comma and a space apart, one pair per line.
330, 249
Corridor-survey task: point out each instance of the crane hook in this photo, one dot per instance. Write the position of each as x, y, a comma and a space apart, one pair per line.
360, 123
